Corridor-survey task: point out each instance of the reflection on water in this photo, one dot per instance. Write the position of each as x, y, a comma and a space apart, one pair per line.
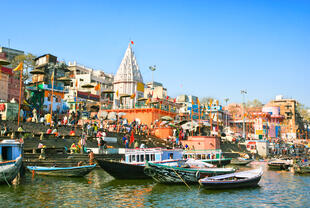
98, 189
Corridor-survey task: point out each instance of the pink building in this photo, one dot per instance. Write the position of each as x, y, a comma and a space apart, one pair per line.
202, 142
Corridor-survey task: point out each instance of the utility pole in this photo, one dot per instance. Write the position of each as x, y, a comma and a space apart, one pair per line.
243, 92
152, 68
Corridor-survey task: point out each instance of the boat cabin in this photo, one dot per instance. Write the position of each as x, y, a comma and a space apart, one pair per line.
202, 154
140, 156
9, 150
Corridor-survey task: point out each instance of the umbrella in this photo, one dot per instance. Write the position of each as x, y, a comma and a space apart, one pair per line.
4, 62
103, 114
166, 118
190, 125
87, 86
121, 114
112, 116
163, 123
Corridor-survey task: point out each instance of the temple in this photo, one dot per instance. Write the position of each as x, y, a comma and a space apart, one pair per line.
128, 82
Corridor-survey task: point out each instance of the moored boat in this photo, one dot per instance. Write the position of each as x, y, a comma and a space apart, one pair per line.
243, 179
209, 156
133, 165
10, 161
240, 161
76, 171
302, 168
279, 164
182, 172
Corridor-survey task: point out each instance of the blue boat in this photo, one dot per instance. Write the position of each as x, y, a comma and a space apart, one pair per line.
10, 160
76, 171
133, 165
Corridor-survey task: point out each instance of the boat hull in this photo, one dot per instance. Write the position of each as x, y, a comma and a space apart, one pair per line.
167, 174
218, 162
9, 170
278, 166
123, 170
78, 171
240, 162
253, 182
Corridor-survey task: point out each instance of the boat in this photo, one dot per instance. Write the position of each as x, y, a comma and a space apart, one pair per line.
209, 156
243, 179
240, 161
181, 171
10, 160
279, 164
76, 171
302, 167
133, 165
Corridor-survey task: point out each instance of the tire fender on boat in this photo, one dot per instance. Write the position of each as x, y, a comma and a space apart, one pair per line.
198, 174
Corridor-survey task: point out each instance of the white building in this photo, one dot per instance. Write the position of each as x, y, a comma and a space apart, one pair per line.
128, 82
81, 75
155, 90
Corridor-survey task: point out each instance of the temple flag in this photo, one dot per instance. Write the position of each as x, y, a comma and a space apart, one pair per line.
175, 100
98, 87
132, 138
19, 67
116, 93
167, 97
132, 42
76, 83
192, 102
52, 77
133, 96
198, 101
148, 101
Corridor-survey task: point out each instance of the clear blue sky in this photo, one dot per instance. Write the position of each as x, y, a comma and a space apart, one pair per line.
205, 48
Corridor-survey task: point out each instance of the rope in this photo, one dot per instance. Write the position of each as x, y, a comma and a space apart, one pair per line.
6, 180
182, 179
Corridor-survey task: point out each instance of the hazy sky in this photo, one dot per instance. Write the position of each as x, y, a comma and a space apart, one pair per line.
205, 48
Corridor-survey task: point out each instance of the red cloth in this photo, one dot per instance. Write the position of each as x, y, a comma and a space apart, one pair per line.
49, 131
132, 138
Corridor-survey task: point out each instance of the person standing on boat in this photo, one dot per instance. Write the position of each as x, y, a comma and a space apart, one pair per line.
100, 145
91, 157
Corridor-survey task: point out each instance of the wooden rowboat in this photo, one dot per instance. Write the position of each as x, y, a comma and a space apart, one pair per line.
9, 170
76, 171
234, 180
179, 174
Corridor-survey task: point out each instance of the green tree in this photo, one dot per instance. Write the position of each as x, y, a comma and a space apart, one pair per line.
29, 64
206, 100
254, 103
303, 111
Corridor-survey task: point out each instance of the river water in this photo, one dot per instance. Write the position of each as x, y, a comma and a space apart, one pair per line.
98, 189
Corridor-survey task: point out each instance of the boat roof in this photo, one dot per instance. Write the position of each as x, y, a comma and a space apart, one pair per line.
243, 174
9, 141
151, 150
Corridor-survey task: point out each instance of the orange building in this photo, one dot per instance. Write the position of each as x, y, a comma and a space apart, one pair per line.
202, 142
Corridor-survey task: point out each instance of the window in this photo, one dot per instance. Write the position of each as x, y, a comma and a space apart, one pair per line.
142, 158
147, 157
170, 155
152, 157
138, 158
133, 157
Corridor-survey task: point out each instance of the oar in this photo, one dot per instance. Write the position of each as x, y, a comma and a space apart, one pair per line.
182, 179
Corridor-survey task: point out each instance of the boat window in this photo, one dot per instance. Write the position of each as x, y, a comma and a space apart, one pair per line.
147, 157
199, 156
129, 158
133, 157
142, 158
209, 156
170, 155
185, 156
138, 158
7, 153
203, 156
152, 157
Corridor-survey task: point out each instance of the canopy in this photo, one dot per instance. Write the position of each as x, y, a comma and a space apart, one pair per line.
166, 118
190, 125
